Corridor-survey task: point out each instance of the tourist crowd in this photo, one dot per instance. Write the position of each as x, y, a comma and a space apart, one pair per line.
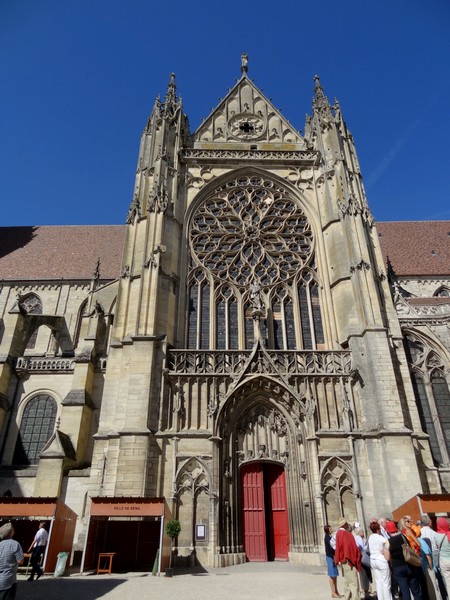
396, 560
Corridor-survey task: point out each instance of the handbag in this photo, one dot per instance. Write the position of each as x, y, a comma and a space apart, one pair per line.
409, 555
365, 556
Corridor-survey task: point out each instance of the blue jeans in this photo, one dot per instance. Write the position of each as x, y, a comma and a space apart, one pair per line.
408, 579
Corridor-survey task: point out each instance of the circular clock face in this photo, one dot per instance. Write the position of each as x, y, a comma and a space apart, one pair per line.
246, 127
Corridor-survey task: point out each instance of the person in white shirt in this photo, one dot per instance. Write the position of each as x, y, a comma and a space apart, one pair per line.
434, 575
427, 532
379, 562
37, 549
382, 522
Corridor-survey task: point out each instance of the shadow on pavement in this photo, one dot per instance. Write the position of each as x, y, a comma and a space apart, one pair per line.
197, 570
66, 588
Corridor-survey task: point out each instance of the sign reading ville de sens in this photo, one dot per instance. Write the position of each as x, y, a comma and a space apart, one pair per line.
127, 507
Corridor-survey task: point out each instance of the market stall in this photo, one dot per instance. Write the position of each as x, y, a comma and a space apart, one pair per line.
132, 530
27, 513
421, 504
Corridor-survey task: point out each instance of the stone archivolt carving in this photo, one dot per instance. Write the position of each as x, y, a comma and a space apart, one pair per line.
263, 417
262, 433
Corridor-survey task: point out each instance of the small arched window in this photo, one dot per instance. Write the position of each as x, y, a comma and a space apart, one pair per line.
36, 427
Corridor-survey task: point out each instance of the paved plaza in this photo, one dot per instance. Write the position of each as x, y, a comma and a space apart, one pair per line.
256, 581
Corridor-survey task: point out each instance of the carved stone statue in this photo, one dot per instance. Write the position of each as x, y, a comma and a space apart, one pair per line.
244, 62
255, 295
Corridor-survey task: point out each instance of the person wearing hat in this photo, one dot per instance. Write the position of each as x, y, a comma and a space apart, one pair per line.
11, 556
348, 556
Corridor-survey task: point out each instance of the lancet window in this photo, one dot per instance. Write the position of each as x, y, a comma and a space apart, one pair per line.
432, 395
252, 256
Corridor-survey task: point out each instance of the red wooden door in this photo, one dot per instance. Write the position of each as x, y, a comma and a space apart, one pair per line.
264, 510
279, 524
254, 521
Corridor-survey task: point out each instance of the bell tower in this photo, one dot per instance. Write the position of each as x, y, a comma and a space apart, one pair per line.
146, 306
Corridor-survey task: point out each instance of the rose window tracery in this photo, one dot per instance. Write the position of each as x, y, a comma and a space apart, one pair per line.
250, 230
252, 272
246, 127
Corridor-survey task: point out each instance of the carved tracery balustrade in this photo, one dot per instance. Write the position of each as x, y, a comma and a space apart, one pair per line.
228, 362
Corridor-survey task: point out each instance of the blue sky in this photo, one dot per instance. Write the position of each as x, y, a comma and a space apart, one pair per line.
79, 79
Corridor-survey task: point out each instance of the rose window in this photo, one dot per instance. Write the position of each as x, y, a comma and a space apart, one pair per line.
246, 127
250, 230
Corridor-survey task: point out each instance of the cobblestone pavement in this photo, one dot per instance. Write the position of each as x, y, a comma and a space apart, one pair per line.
254, 581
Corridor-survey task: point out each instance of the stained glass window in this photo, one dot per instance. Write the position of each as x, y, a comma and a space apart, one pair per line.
252, 235
432, 395
38, 424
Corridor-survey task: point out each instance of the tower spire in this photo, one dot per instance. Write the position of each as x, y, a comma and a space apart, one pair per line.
171, 102
171, 94
320, 101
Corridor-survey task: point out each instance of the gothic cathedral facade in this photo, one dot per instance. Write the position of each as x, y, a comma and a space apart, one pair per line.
250, 356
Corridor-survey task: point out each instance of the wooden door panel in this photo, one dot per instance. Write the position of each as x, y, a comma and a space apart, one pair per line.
279, 524
254, 526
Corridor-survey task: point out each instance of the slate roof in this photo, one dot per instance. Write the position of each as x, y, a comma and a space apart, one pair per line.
60, 252
416, 247
71, 252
